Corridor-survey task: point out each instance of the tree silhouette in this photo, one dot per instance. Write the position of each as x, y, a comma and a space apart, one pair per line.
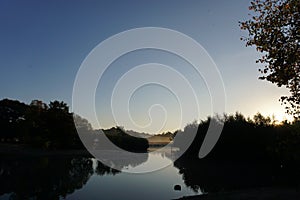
54, 127
244, 139
274, 30
56, 105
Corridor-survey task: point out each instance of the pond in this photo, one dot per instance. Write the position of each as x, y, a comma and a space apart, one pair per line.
77, 177
67, 177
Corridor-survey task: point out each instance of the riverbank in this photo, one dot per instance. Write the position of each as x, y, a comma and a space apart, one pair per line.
24, 150
270, 193
8, 149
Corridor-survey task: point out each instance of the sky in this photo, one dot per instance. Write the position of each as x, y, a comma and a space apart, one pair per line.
44, 43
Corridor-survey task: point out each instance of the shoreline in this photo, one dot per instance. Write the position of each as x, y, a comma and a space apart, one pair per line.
7, 149
265, 193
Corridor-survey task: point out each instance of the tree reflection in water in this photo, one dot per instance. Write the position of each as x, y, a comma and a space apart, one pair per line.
120, 162
102, 169
51, 177
217, 176
43, 177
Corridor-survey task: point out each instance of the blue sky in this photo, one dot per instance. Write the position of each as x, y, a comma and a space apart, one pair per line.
43, 44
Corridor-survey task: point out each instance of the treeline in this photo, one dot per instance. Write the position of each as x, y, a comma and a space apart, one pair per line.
38, 124
125, 141
52, 126
250, 153
260, 138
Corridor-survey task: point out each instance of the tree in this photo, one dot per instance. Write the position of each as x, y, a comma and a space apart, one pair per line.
260, 120
40, 105
12, 120
61, 126
56, 105
275, 31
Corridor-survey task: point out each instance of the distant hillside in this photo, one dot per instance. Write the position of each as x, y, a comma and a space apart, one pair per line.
138, 134
153, 140
125, 141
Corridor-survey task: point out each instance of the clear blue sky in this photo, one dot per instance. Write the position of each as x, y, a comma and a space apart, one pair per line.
43, 43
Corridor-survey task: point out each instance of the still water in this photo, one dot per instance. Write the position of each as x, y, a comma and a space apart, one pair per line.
68, 177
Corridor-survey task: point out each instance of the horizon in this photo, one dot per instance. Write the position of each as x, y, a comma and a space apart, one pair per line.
217, 116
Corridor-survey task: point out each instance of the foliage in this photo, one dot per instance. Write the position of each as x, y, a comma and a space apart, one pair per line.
127, 142
40, 125
53, 127
254, 139
12, 117
251, 153
275, 31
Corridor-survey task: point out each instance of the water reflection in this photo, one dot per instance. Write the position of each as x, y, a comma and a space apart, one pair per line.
43, 177
67, 177
51, 177
121, 185
218, 176
102, 170
121, 161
